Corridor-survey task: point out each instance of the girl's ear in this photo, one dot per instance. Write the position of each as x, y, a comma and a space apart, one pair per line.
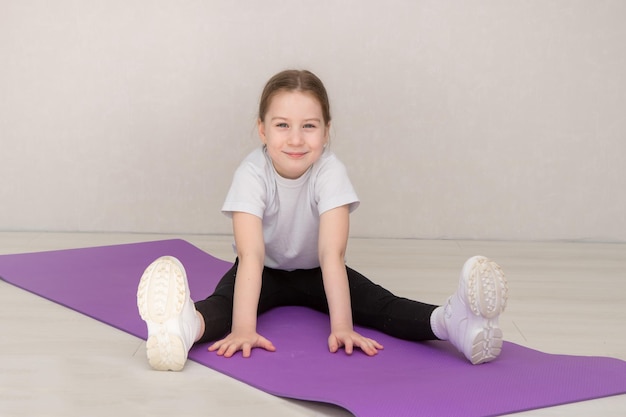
261, 129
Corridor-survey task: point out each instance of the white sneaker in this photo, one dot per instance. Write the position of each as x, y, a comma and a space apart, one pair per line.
165, 305
471, 314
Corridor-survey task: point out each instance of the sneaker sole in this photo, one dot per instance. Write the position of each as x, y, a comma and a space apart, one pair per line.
486, 287
161, 295
487, 345
487, 293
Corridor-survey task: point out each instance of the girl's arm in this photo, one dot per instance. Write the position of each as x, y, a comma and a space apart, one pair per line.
333, 240
248, 233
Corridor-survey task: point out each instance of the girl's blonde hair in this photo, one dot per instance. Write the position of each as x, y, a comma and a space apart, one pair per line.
295, 80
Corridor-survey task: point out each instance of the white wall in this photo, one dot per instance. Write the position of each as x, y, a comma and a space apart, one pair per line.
457, 119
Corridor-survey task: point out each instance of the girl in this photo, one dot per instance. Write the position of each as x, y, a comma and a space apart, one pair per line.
290, 202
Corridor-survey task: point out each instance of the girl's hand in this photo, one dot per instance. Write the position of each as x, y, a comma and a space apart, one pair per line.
349, 338
244, 341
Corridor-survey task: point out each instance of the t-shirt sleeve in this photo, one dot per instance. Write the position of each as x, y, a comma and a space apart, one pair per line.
333, 187
246, 193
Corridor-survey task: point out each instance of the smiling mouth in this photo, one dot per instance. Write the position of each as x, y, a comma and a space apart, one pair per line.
296, 155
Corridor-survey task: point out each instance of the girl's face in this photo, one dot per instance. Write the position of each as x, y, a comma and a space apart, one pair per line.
294, 132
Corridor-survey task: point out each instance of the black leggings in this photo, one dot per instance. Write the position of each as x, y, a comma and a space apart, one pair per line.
372, 305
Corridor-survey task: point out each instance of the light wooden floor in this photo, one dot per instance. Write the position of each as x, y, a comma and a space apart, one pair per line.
567, 298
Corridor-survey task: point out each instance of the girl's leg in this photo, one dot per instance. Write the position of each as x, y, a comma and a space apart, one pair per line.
175, 323
469, 319
217, 309
374, 306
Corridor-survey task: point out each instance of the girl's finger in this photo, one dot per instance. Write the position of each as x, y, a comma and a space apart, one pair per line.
348, 346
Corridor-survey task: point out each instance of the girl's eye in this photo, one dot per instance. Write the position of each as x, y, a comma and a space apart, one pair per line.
309, 126
283, 125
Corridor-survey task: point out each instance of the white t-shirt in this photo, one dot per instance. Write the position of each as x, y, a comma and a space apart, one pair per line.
290, 209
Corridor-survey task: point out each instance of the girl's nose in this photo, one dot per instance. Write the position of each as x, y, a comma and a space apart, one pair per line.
295, 138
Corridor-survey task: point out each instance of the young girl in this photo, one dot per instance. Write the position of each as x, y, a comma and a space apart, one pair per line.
290, 202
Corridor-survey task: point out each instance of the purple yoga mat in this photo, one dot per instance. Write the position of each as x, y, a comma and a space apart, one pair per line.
405, 379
